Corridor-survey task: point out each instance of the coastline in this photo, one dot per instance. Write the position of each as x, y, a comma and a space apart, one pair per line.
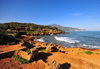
52, 54
41, 55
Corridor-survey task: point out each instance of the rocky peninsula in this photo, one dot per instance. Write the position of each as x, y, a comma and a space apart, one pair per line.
21, 52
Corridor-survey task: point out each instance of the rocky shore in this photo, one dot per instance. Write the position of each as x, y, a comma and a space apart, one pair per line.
48, 33
40, 55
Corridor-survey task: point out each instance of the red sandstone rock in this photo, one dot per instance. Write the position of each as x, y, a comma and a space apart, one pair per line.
53, 65
51, 48
60, 46
26, 55
52, 44
9, 63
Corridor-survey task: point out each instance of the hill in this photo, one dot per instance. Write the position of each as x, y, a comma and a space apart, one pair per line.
28, 28
66, 28
13, 30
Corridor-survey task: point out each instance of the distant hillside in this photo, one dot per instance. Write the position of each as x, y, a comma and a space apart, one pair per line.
28, 28
10, 32
66, 28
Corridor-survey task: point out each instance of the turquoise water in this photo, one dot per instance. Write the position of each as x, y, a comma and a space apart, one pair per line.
87, 39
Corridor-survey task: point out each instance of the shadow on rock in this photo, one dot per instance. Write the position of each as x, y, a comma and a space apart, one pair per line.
6, 55
41, 48
27, 45
65, 66
43, 56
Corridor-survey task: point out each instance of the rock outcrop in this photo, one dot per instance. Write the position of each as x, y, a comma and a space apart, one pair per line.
26, 55
52, 56
53, 65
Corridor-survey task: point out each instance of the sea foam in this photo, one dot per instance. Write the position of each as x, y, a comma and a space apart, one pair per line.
66, 39
41, 40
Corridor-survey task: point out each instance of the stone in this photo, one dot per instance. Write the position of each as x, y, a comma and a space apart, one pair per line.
34, 51
26, 55
60, 47
52, 65
51, 49
39, 44
52, 44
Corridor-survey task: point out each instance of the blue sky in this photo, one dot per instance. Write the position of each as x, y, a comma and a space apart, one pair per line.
83, 14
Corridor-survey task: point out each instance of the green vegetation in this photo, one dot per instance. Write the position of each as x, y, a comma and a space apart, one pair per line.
12, 31
39, 45
43, 50
97, 53
29, 28
22, 60
89, 52
8, 39
18, 35
80, 52
28, 51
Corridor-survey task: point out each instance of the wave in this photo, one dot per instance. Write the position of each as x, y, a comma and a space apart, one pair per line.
41, 40
66, 39
91, 46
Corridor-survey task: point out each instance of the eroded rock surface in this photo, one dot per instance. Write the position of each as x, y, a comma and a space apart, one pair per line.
53, 56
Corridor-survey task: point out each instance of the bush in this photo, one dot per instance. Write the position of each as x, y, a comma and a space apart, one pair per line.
42, 50
89, 52
22, 60
18, 35
28, 51
97, 53
7, 39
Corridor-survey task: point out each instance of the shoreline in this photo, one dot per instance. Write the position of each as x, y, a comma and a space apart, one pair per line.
30, 54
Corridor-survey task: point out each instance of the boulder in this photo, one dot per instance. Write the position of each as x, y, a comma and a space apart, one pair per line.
52, 65
52, 44
42, 44
60, 47
51, 48
26, 55
34, 51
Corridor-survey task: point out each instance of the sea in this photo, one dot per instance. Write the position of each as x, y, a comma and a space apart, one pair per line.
87, 39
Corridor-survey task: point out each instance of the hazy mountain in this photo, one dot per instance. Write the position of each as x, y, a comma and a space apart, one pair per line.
66, 28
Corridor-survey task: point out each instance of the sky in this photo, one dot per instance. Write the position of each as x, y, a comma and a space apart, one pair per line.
84, 14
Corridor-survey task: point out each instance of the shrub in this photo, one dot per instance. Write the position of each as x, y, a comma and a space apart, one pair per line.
97, 53
22, 60
44, 50
89, 52
7, 39
18, 35
80, 52
28, 51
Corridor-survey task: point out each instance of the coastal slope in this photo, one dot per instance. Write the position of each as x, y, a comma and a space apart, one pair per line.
12, 31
